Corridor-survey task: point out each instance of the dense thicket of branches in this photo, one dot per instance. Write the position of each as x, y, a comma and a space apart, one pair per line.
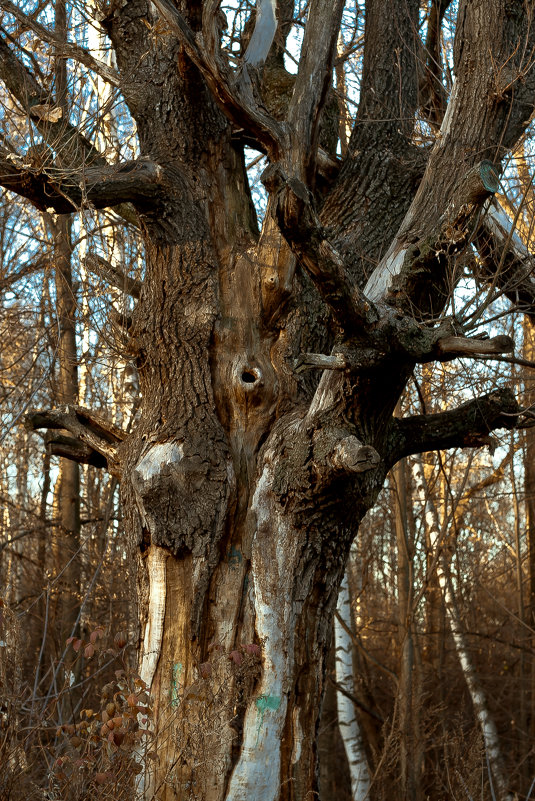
266, 293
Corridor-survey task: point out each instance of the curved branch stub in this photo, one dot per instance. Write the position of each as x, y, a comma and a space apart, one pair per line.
336, 452
453, 347
95, 440
351, 456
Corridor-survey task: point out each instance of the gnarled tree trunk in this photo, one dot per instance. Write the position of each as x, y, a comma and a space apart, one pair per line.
233, 479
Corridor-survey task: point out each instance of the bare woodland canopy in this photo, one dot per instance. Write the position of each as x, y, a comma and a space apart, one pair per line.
256, 259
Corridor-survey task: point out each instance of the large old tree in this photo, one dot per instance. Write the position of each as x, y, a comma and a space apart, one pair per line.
271, 361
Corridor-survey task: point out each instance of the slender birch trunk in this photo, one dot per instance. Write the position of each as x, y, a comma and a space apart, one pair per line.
407, 701
486, 723
349, 726
529, 488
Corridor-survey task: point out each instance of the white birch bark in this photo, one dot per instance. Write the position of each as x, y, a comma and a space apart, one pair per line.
349, 727
486, 723
257, 772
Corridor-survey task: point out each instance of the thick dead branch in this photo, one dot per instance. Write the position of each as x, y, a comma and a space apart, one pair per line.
455, 347
320, 361
70, 448
468, 426
68, 49
102, 187
88, 430
97, 264
312, 84
72, 148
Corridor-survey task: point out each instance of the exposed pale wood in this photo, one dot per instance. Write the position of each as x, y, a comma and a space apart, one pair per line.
263, 34
349, 726
313, 80
463, 346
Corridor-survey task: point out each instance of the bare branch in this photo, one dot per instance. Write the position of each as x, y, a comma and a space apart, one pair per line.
113, 275
468, 426
91, 431
455, 347
506, 262
138, 182
69, 49
73, 151
7, 281
320, 361
72, 148
304, 233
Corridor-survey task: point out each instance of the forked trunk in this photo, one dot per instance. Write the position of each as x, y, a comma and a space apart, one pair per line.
234, 473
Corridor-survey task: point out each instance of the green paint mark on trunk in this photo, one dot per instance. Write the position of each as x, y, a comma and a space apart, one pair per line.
263, 703
234, 556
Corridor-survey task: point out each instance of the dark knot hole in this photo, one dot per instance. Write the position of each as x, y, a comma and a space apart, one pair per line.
247, 377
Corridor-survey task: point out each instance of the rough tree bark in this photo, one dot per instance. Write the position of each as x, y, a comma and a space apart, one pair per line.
232, 479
